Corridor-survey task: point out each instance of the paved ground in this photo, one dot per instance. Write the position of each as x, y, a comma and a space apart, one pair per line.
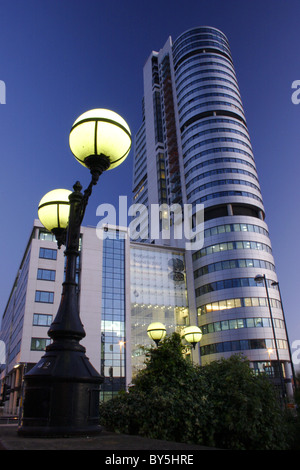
10, 440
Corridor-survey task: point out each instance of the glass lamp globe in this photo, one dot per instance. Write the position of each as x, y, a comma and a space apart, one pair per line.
192, 334
99, 135
54, 210
156, 331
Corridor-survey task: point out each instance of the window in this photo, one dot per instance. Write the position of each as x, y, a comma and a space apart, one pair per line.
257, 343
46, 236
40, 319
39, 344
240, 323
222, 304
44, 297
48, 253
224, 325
46, 274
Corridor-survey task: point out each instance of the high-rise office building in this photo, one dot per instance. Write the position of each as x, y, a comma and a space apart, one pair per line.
193, 147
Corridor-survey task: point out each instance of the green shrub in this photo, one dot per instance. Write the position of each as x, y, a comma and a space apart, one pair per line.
222, 405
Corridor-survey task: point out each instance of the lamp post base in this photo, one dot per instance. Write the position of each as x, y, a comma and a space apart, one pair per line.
62, 404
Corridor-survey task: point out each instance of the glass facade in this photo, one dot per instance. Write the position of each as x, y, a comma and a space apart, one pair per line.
158, 294
113, 341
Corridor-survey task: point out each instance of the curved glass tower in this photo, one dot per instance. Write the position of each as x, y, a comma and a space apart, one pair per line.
194, 148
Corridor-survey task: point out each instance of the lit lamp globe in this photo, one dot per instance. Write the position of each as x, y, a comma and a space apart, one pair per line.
100, 139
192, 334
54, 210
156, 331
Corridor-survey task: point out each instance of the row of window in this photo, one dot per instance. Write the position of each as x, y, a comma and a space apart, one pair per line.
226, 228
188, 76
233, 263
142, 168
216, 161
226, 194
213, 130
213, 161
228, 284
213, 141
210, 103
210, 79
220, 171
199, 30
199, 59
238, 323
187, 42
207, 95
211, 184
235, 245
241, 345
113, 315
39, 344
197, 53
210, 121
205, 87
237, 303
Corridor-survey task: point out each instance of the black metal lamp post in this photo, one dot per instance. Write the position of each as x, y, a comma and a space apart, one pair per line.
62, 390
274, 283
262, 278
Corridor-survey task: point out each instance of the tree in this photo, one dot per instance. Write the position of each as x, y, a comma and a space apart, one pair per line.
222, 405
245, 406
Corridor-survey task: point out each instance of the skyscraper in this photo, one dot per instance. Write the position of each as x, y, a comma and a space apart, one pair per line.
193, 147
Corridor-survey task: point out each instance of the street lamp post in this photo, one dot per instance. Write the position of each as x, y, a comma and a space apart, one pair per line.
121, 344
61, 396
262, 278
274, 283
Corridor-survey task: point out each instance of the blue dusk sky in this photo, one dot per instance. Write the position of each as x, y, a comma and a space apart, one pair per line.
60, 58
